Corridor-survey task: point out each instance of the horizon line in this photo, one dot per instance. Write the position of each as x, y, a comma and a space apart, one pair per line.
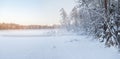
29, 24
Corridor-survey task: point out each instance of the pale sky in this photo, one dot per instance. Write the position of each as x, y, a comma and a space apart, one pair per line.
43, 12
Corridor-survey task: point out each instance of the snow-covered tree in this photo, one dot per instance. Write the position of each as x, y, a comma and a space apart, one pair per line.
64, 18
100, 18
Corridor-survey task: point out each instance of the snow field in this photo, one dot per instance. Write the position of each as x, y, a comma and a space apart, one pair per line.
51, 44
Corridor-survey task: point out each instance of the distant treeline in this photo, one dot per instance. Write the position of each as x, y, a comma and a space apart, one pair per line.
7, 26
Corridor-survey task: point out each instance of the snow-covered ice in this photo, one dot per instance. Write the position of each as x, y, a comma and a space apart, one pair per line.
51, 44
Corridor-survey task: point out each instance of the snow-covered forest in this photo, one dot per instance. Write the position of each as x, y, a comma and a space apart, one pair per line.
91, 30
98, 18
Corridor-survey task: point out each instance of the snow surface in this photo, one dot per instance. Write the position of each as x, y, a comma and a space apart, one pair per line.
51, 44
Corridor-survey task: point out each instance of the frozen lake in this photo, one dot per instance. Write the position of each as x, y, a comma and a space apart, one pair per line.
51, 44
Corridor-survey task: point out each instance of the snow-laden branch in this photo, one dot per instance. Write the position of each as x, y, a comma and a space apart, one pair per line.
106, 19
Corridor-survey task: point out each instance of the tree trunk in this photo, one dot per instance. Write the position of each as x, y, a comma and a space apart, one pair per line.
105, 4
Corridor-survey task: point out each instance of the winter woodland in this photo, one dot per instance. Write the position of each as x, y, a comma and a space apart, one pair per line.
99, 18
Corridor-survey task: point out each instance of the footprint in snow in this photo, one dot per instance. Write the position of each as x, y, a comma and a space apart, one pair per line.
54, 46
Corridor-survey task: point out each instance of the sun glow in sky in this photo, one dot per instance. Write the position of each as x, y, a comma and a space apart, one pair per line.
43, 12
